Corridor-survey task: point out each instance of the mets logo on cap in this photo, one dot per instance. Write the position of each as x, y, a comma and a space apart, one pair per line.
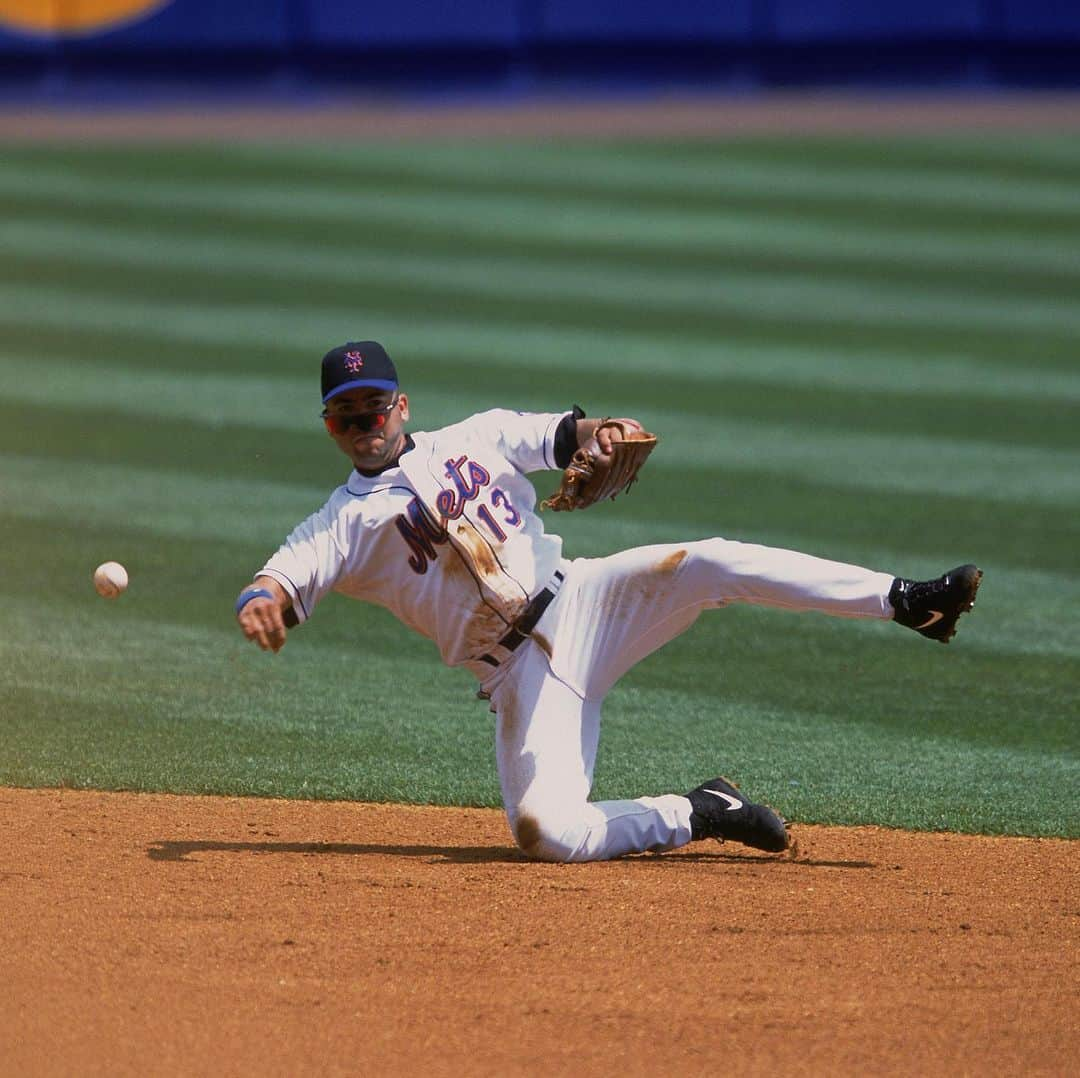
86, 16
357, 365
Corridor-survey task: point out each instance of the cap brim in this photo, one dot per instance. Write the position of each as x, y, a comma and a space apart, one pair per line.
361, 383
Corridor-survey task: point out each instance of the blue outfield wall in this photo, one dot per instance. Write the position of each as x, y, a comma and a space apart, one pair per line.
1040, 20
843, 20
373, 24
673, 21
504, 42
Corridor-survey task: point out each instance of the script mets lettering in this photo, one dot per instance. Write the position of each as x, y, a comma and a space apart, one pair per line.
420, 534
451, 503
470, 480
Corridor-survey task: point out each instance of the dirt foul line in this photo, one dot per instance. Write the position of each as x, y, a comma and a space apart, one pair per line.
189, 935
672, 115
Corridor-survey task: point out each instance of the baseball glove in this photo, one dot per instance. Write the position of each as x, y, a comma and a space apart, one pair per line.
593, 476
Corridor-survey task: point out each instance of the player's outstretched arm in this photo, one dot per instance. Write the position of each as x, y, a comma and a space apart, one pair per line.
260, 611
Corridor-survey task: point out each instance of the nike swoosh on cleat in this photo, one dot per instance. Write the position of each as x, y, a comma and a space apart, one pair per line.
733, 803
935, 616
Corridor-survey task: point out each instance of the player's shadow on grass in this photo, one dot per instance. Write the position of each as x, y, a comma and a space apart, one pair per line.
460, 855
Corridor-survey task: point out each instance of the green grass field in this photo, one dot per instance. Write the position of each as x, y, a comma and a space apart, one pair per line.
864, 349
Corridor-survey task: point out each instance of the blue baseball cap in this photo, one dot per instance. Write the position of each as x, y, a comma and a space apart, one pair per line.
356, 365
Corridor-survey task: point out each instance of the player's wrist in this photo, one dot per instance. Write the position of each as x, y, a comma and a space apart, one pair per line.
566, 436
250, 593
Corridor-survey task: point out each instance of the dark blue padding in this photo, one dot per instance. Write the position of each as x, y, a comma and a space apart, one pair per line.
401, 23
183, 24
848, 20
662, 21
17, 43
1041, 20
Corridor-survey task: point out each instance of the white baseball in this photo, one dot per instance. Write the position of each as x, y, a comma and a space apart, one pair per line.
110, 579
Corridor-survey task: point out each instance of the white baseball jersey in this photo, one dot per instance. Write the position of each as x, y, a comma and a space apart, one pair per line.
448, 539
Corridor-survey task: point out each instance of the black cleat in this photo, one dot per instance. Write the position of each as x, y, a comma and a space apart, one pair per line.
720, 811
932, 607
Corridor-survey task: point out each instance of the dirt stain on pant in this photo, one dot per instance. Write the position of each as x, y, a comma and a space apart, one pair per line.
671, 562
527, 834
543, 643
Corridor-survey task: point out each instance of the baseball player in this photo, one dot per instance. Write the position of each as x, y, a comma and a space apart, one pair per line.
441, 528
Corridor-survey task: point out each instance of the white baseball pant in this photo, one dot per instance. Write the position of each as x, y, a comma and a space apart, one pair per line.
608, 615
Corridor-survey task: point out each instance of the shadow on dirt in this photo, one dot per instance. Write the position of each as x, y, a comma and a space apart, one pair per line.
468, 855
458, 855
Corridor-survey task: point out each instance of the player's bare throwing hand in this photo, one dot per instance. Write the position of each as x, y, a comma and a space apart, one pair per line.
441, 528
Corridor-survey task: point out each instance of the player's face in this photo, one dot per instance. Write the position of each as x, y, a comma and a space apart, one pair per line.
378, 438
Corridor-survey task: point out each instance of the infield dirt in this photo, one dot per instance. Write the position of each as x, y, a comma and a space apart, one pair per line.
156, 934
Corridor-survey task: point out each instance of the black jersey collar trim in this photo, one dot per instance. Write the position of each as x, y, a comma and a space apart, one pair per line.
409, 444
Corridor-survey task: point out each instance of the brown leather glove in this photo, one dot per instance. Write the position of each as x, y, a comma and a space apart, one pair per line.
593, 476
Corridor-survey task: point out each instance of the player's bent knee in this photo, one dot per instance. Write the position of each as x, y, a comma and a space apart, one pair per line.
546, 839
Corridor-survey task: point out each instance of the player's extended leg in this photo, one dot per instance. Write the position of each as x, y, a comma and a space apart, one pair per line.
617, 610
611, 613
546, 738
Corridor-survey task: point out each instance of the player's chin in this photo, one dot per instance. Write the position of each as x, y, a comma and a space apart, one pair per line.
370, 453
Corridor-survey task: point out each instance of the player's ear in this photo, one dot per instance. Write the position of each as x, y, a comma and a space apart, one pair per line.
403, 404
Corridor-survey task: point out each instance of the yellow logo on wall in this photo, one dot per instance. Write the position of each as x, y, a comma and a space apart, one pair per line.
73, 16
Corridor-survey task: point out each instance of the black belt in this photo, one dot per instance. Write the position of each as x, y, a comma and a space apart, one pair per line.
519, 631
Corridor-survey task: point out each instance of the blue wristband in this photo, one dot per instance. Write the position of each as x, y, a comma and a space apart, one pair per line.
252, 593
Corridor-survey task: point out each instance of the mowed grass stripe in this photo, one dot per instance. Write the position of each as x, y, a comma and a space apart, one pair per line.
222, 450
211, 316
267, 401
158, 501
760, 242
622, 169
775, 309
1004, 155
45, 387
872, 460
611, 171
511, 216
164, 241
117, 331
61, 253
